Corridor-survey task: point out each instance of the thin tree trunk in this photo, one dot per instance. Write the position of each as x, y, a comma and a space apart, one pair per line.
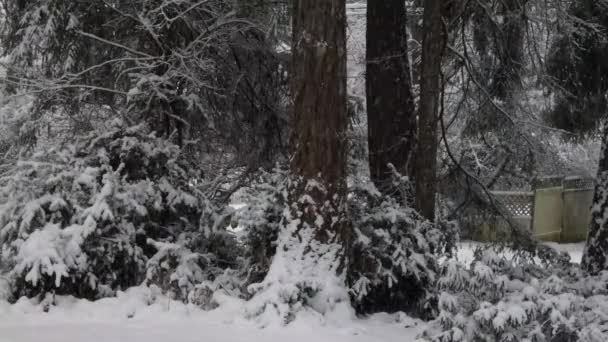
430, 89
390, 103
595, 255
319, 75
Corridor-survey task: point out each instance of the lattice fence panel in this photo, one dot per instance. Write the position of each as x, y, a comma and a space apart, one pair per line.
519, 204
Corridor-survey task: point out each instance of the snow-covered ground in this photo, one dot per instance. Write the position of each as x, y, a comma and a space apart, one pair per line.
130, 317
139, 315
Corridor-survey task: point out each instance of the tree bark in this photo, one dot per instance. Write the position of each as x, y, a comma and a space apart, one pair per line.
391, 114
313, 238
319, 76
430, 89
595, 255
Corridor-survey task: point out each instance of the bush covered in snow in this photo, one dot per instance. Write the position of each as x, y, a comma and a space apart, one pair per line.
260, 218
98, 216
499, 299
392, 260
394, 254
308, 267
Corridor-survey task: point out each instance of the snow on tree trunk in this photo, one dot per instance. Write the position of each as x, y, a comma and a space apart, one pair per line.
309, 266
319, 61
595, 255
430, 88
390, 103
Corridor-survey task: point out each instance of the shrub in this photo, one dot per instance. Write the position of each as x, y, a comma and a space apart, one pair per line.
394, 255
77, 220
259, 219
519, 300
392, 259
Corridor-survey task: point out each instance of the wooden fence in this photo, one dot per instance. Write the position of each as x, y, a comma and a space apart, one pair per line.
558, 209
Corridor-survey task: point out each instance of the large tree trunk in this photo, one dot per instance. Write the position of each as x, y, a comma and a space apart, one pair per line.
430, 89
319, 66
595, 255
319, 76
390, 103
309, 265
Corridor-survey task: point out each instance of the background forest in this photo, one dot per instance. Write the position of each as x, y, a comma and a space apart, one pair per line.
306, 155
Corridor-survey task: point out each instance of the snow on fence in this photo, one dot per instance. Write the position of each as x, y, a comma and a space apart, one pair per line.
558, 209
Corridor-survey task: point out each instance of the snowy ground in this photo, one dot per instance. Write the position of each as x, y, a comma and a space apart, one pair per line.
130, 317
163, 321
